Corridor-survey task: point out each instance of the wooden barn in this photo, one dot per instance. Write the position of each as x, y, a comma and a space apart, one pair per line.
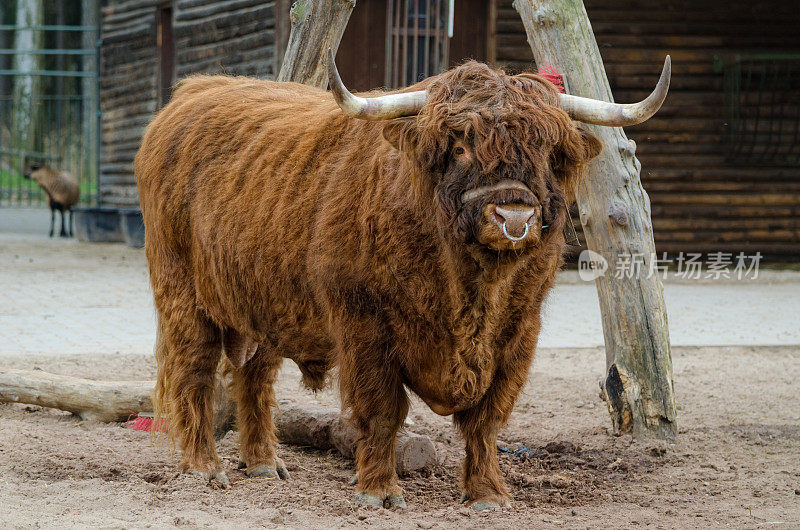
146, 45
721, 161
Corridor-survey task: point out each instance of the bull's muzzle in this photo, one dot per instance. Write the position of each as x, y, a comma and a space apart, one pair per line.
514, 220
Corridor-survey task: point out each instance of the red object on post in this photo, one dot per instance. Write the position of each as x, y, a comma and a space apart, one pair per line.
549, 72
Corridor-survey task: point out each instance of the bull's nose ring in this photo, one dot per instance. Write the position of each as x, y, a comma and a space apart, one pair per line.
512, 238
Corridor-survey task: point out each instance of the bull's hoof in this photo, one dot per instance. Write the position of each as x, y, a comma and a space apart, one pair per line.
482, 506
490, 503
219, 476
390, 501
267, 471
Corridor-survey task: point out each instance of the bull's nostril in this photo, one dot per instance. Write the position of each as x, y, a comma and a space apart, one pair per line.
515, 220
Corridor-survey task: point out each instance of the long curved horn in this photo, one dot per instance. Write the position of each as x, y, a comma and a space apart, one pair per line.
378, 108
617, 114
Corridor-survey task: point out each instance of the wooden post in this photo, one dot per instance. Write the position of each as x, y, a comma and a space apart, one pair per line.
317, 25
615, 213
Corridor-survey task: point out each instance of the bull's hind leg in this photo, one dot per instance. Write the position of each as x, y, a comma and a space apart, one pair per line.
255, 396
188, 352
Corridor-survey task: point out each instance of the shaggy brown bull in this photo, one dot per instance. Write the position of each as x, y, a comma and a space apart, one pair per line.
411, 248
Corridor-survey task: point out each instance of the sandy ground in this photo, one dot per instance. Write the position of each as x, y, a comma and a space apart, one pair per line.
77, 298
736, 462
85, 310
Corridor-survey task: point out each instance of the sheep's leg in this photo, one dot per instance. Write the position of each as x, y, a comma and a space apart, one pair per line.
70, 223
189, 350
255, 396
372, 388
63, 229
52, 221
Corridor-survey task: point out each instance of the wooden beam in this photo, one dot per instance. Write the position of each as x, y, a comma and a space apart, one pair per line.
615, 213
317, 25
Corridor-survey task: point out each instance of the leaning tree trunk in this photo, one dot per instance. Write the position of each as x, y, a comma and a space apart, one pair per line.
615, 213
317, 25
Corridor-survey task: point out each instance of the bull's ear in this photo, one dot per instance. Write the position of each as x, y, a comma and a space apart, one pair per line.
401, 133
577, 148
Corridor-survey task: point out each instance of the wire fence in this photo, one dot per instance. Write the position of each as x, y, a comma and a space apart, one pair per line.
763, 100
49, 111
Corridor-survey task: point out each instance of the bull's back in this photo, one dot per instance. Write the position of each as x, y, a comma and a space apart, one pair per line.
229, 176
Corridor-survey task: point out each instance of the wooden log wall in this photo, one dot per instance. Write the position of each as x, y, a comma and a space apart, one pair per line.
128, 98
236, 37
700, 201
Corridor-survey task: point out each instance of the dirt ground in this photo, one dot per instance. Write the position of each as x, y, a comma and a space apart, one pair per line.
736, 462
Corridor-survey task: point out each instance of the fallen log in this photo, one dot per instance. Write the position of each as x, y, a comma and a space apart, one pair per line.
318, 427
87, 399
324, 428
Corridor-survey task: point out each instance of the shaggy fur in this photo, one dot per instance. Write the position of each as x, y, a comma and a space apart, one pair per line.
274, 219
62, 192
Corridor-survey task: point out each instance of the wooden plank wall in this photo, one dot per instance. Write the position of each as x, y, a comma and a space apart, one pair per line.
128, 93
700, 202
211, 36
235, 37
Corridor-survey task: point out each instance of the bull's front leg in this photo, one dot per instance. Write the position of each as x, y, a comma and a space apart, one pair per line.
372, 389
483, 485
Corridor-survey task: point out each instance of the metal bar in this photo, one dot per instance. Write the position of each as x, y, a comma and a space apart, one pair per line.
396, 59
767, 57
770, 145
796, 139
447, 35
32, 154
415, 48
438, 38
406, 12
426, 65
50, 51
51, 73
387, 66
432, 33
51, 27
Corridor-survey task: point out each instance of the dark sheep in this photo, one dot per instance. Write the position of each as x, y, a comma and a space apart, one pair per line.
62, 192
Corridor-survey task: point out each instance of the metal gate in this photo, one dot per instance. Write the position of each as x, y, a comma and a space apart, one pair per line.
763, 100
48, 107
418, 40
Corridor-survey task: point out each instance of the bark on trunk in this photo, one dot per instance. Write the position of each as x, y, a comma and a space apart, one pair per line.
316, 26
615, 213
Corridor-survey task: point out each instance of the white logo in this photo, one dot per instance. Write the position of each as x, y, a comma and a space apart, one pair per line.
591, 265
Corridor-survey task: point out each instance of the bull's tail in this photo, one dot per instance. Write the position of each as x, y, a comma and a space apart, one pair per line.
161, 392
